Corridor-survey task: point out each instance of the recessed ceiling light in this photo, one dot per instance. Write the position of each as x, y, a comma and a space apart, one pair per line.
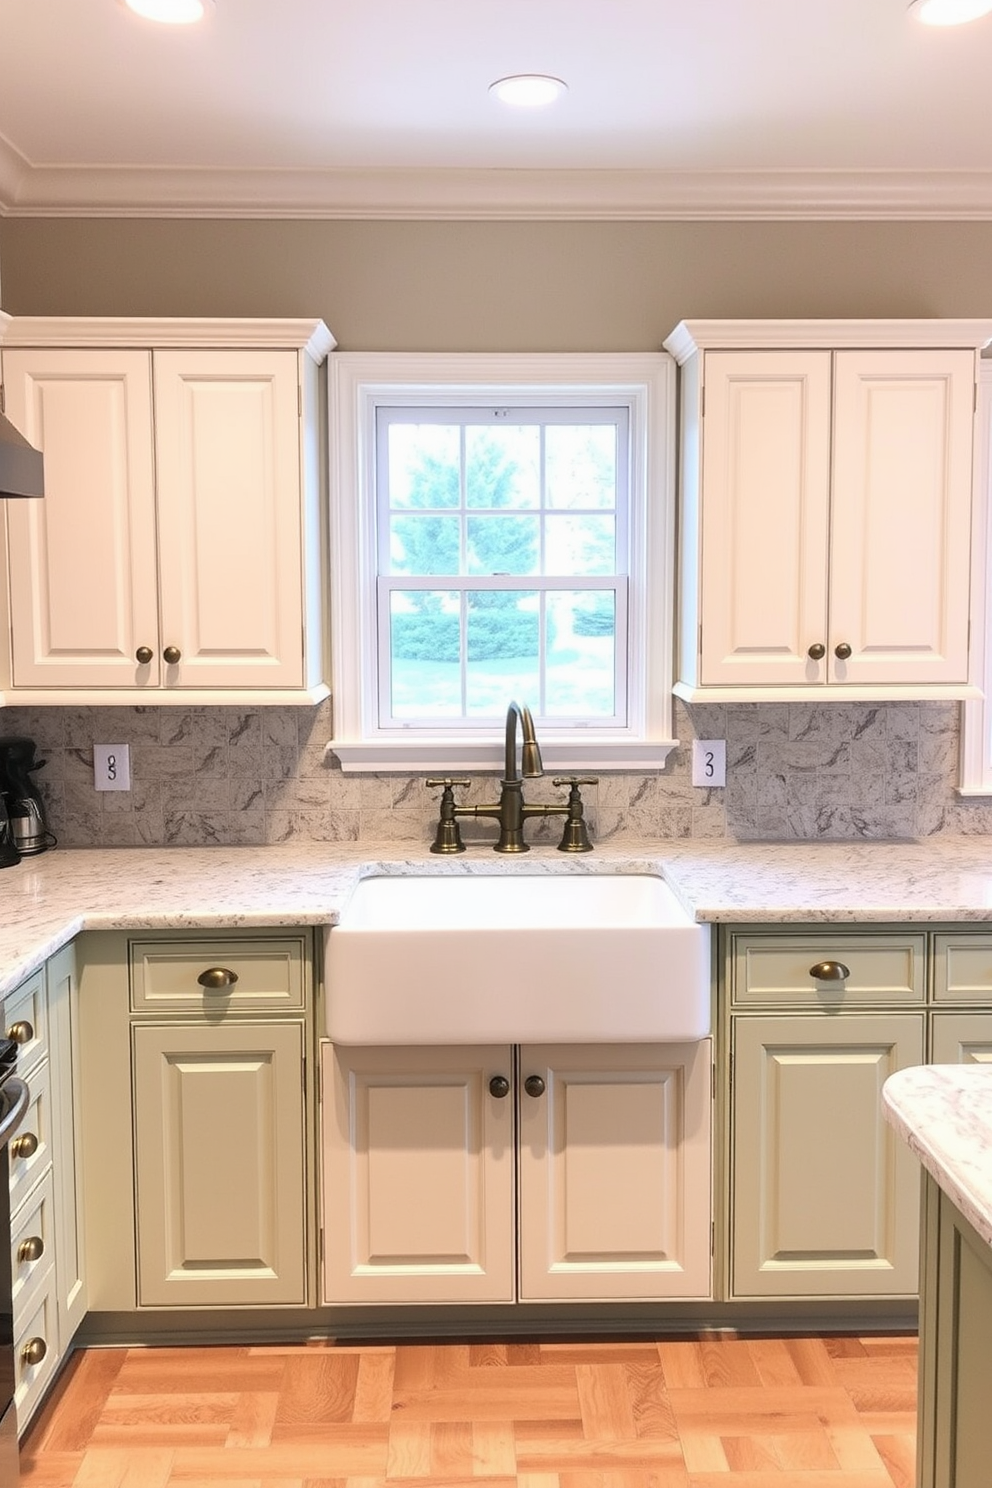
531, 90
949, 12
174, 12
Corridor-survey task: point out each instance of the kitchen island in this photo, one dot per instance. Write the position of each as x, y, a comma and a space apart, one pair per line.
944, 1113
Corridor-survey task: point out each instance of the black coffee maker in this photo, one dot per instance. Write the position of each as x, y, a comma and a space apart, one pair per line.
23, 828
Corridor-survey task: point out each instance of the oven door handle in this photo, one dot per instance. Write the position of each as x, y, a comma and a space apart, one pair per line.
19, 1096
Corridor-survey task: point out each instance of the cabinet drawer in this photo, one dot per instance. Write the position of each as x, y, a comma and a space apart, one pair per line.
962, 968
32, 1246
961, 1038
778, 970
31, 1149
25, 1018
38, 1336
264, 975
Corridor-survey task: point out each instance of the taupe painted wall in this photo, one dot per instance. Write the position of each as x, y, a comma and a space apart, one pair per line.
496, 286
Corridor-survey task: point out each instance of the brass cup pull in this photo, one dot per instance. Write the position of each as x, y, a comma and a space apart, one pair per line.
26, 1145
31, 1249
499, 1086
817, 651
829, 971
34, 1351
143, 655
534, 1085
172, 655
21, 1033
842, 651
217, 978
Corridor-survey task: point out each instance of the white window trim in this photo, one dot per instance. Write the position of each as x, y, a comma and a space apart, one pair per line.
356, 382
976, 717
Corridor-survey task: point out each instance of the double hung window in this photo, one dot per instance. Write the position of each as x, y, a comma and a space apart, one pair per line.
501, 529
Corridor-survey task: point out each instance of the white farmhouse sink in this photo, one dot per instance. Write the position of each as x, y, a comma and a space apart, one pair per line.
487, 958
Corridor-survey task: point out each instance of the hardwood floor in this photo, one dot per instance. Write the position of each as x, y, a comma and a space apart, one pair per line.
708, 1412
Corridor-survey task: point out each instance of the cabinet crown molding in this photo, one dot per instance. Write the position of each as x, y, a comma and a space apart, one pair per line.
311, 336
690, 336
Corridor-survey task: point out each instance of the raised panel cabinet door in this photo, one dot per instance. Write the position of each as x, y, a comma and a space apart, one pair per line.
417, 1172
615, 1186
901, 516
83, 572
227, 445
961, 1038
766, 479
824, 1196
220, 1159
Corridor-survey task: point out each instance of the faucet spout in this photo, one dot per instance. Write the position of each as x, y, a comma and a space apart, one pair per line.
531, 765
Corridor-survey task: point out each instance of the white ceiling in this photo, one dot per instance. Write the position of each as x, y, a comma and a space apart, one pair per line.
381, 107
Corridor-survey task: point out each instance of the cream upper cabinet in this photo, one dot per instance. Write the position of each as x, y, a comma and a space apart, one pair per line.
177, 554
827, 508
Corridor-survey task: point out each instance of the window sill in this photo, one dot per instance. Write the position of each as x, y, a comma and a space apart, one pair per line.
485, 756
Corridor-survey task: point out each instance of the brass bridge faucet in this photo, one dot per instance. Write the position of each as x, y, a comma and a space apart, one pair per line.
511, 811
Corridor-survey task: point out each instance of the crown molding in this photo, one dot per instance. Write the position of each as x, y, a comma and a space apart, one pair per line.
498, 194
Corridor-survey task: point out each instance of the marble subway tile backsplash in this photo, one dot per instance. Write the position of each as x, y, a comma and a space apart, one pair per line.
226, 776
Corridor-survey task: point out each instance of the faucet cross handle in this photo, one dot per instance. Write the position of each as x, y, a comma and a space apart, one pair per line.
448, 838
575, 837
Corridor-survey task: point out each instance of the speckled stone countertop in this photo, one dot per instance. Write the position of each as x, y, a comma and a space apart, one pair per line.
46, 900
944, 1112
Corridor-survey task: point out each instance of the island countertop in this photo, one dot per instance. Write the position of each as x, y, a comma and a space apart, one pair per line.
48, 899
944, 1113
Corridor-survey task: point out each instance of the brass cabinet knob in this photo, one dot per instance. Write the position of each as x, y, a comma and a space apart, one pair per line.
499, 1086
534, 1085
171, 655
217, 978
26, 1145
34, 1351
842, 651
21, 1032
31, 1249
817, 651
144, 655
829, 971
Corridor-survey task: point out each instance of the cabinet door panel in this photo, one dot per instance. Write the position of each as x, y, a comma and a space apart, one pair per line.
901, 518
825, 1196
220, 1169
227, 451
615, 1171
418, 1175
83, 584
961, 1038
766, 473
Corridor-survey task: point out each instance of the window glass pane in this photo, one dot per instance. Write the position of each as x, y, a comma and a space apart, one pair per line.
424, 545
581, 465
503, 648
425, 653
581, 630
424, 465
502, 465
504, 545
580, 545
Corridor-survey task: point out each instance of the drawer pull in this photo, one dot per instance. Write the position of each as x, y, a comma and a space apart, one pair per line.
217, 978
534, 1086
829, 971
21, 1033
31, 1249
26, 1145
34, 1351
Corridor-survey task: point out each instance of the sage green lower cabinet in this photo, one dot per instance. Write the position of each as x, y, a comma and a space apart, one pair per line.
545, 1173
961, 1038
955, 1422
220, 1199
46, 1246
824, 1196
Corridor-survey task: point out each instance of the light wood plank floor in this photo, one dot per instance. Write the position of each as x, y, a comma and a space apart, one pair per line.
709, 1412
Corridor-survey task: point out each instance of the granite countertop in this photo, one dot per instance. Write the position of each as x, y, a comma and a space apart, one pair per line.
46, 900
944, 1112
